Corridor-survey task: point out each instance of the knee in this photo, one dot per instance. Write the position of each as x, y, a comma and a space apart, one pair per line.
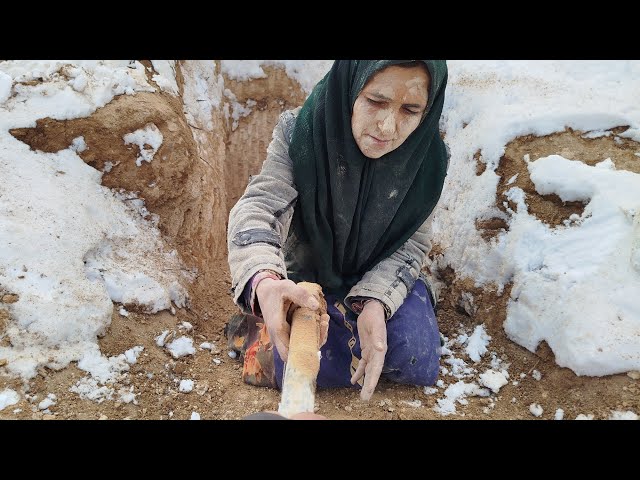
414, 359
413, 337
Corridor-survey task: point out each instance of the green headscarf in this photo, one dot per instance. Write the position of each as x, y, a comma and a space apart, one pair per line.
353, 211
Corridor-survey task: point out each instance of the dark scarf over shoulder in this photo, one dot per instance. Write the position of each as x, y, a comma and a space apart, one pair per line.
353, 211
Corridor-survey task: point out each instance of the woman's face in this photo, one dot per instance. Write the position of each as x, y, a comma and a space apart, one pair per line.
389, 108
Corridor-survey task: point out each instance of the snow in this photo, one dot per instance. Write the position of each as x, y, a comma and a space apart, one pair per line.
185, 386
5, 87
559, 415
186, 326
181, 346
105, 375
607, 164
78, 145
49, 401
144, 283
493, 380
572, 285
149, 136
103, 369
597, 134
207, 346
132, 354
454, 393
458, 366
535, 409
536, 375
430, 390
54, 97
499, 365
195, 416
458, 392
477, 345
166, 76
584, 417
203, 92
306, 72
89, 389
79, 83
160, 339
8, 397
69, 244
619, 415
238, 110
632, 133
580, 280
127, 395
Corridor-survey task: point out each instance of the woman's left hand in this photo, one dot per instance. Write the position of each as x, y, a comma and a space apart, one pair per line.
372, 330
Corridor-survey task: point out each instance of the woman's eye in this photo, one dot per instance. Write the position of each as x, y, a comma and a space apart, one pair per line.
372, 101
412, 112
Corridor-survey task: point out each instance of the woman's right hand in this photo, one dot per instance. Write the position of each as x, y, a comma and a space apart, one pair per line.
275, 298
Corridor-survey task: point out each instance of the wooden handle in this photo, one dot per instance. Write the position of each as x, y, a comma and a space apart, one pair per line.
301, 369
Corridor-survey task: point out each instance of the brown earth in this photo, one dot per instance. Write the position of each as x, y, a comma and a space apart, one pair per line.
247, 144
193, 204
569, 144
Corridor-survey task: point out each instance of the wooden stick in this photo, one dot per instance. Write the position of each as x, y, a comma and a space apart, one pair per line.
301, 369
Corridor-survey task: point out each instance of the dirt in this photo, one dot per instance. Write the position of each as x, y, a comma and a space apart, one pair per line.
569, 144
193, 203
247, 144
219, 393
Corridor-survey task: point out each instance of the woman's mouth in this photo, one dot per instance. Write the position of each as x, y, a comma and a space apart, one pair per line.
378, 142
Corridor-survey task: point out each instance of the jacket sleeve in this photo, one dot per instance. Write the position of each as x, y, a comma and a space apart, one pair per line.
259, 221
391, 280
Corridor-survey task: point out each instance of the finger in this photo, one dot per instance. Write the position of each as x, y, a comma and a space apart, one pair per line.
324, 329
299, 296
359, 371
279, 336
286, 328
373, 371
281, 342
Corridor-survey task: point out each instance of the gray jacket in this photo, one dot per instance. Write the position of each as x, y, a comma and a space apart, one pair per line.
259, 225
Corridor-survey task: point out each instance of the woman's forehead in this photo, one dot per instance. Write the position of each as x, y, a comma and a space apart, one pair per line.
393, 80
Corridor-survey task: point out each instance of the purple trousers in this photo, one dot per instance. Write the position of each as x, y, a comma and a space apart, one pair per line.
413, 344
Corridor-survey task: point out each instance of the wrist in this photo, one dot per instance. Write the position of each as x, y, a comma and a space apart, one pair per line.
359, 305
255, 281
372, 304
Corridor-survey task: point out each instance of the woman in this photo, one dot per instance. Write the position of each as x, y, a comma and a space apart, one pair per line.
344, 199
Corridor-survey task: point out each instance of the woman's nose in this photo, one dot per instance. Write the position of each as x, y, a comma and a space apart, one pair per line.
388, 124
